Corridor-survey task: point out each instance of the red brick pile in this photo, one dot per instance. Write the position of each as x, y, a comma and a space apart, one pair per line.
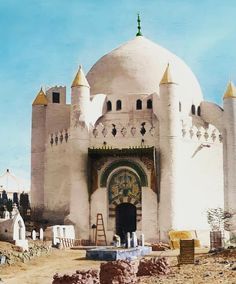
80, 277
153, 266
118, 272
160, 247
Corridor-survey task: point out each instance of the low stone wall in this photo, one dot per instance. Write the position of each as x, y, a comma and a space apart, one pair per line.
36, 248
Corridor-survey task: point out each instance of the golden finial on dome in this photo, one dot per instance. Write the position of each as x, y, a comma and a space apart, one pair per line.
41, 98
80, 79
230, 91
167, 76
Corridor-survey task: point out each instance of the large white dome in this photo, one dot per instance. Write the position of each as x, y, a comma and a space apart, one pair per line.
10, 183
137, 67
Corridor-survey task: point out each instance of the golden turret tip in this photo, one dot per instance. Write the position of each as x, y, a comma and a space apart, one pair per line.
80, 79
230, 91
41, 98
167, 76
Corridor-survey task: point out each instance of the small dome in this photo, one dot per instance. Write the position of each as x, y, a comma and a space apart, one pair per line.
137, 67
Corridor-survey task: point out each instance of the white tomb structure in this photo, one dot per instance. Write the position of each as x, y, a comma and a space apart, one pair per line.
57, 232
13, 229
41, 234
138, 143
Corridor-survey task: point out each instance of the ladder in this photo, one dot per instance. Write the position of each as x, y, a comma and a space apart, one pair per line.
100, 235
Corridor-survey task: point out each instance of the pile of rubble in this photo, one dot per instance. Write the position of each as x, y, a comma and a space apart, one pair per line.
119, 272
160, 247
15, 254
116, 272
153, 266
80, 277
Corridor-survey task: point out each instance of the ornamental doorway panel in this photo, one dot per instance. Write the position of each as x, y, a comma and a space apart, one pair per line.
124, 187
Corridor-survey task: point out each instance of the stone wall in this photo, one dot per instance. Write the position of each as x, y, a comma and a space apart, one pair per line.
16, 254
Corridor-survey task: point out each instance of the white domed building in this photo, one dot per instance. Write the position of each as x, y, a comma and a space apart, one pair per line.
138, 144
12, 184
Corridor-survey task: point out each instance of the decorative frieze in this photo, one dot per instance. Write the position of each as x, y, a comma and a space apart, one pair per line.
142, 129
210, 134
59, 137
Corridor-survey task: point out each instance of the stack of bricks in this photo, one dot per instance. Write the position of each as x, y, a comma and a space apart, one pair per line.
119, 272
153, 266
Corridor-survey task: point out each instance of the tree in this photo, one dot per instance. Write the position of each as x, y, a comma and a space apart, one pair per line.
9, 205
4, 197
15, 198
219, 219
24, 203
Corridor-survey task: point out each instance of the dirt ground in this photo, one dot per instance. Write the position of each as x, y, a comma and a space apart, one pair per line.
208, 270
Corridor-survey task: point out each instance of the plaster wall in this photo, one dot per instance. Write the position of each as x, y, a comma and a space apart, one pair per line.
200, 182
56, 171
57, 180
37, 155
149, 215
99, 204
79, 199
58, 89
57, 118
127, 130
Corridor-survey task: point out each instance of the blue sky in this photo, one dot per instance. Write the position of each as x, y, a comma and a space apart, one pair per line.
43, 41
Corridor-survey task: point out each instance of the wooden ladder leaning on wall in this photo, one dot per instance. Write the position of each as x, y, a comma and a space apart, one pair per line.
100, 234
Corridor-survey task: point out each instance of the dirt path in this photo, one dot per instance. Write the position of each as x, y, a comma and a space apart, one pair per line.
42, 269
208, 270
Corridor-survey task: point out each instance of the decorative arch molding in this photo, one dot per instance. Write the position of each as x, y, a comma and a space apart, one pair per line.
124, 186
123, 163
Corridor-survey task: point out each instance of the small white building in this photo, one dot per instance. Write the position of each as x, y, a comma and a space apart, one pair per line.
57, 232
138, 143
13, 230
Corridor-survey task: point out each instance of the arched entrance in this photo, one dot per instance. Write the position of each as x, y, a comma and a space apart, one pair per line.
125, 219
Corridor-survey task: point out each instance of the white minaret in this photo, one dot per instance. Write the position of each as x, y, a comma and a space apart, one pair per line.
229, 140
79, 143
169, 142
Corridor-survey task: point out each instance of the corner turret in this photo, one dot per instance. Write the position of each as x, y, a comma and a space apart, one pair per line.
38, 148
167, 76
80, 79
230, 91
80, 99
41, 98
169, 151
229, 148
78, 155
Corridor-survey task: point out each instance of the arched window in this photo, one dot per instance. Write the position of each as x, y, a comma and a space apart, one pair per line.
118, 105
149, 104
138, 104
193, 109
109, 106
180, 107
199, 111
